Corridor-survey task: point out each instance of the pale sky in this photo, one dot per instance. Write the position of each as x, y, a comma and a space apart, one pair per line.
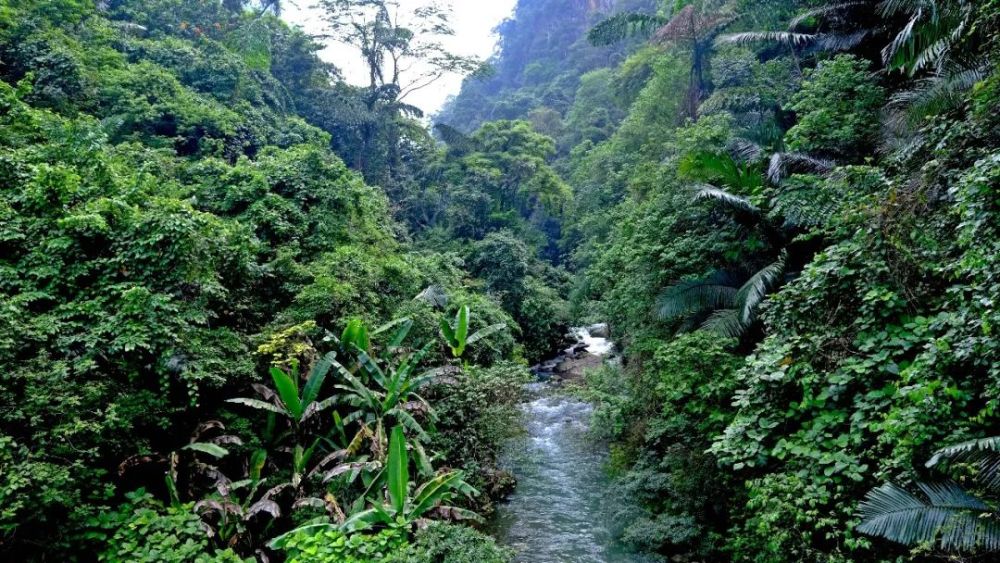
473, 21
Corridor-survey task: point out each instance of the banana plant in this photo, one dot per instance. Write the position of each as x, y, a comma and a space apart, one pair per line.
390, 397
286, 399
234, 507
396, 506
456, 334
357, 336
403, 510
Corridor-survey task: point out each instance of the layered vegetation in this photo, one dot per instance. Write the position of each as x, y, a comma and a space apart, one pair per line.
785, 210
213, 331
250, 311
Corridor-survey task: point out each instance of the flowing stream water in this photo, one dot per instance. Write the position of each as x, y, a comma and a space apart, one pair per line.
555, 514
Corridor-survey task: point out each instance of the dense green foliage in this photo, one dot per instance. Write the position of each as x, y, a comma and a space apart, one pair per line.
817, 180
175, 222
248, 310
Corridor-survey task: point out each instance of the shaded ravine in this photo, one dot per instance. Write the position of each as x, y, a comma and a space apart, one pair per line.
555, 514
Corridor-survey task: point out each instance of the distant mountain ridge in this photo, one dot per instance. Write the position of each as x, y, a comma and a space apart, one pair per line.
542, 53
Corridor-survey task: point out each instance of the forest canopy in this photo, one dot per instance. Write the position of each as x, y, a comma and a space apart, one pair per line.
250, 311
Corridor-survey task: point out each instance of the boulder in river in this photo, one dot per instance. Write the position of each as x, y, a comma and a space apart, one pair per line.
599, 330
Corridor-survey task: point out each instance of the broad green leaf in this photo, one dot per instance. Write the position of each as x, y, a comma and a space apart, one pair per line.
175, 500
398, 477
483, 333
259, 405
257, 461
400, 335
207, 448
371, 367
462, 328
356, 335
448, 332
316, 378
288, 390
432, 491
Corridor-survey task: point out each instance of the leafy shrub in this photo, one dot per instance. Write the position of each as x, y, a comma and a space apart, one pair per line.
334, 546
477, 414
837, 109
449, 543
143, 530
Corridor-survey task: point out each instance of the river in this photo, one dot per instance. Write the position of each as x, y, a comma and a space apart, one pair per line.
555, 514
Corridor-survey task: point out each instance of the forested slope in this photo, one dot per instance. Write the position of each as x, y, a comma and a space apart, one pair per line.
188, 270
790, 224
250, 311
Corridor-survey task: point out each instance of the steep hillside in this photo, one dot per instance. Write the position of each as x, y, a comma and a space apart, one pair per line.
542, 55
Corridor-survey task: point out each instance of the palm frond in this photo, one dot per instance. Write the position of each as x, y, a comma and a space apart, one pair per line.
784, 162
753, 292
732, 201
787, 38
964, 450
744, 150
727, 322
901, 40
841, 41
896, 7
940, 93
985, 452
932, 56
948, 516
824, 11
717, 291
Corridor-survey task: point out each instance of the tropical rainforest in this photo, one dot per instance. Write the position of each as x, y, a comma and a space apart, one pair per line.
250, 311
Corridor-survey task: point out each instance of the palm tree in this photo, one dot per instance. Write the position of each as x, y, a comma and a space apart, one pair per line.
944, 514
693, 27
932, 39
727, 301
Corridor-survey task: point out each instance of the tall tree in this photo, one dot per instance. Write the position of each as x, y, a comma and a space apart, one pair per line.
402, 52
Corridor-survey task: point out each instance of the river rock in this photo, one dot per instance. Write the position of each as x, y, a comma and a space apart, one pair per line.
573, 368
599, 330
